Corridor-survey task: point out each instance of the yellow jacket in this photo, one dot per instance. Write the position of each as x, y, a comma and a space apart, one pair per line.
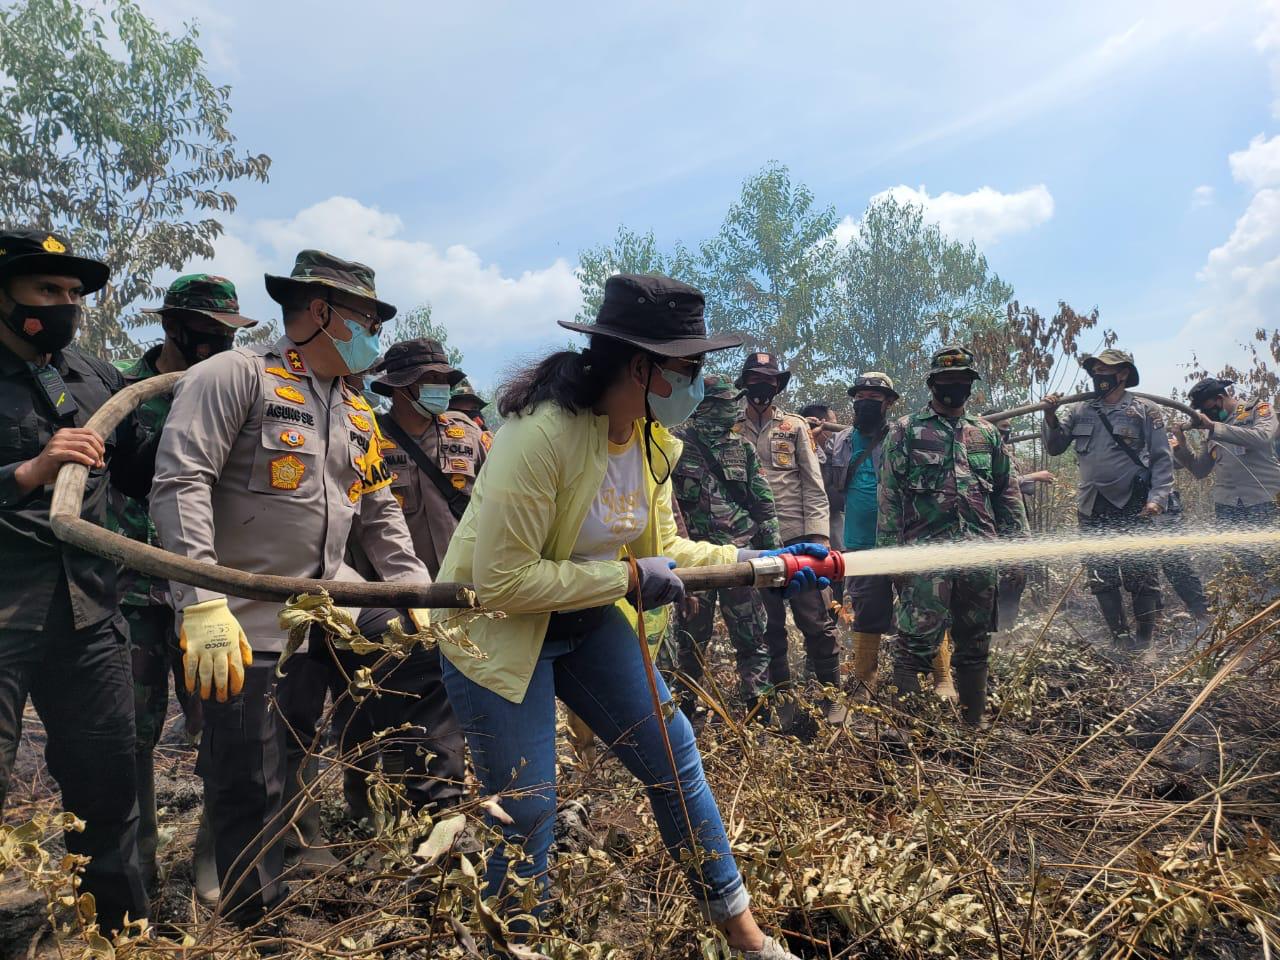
515, 539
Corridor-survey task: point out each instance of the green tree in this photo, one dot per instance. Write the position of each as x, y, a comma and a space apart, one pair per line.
630, 252
768, 273
417, 324
902, 289
111, 132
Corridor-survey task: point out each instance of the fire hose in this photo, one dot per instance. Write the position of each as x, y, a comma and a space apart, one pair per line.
70, 527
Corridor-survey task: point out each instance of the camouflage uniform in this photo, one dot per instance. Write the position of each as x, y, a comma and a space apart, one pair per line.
725, 498
944, 480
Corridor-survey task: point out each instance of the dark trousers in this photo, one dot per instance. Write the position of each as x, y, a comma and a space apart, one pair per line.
811, 612
1136, 573
79, 682
248, 743
872, 601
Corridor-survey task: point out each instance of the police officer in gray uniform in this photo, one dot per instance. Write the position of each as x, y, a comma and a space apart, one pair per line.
1126, 476
268, 461
1238, 452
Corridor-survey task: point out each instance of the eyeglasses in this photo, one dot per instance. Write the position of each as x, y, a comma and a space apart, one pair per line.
686, 367
370, 322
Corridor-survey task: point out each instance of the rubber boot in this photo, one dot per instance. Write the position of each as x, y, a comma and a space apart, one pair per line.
1111, 603
144, 765
1146, 608
204, 864
304, 852
866, 661
827, 672
943, 685
906, 678
971, 687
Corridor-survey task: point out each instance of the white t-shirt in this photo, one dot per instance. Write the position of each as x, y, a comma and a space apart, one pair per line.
621, 509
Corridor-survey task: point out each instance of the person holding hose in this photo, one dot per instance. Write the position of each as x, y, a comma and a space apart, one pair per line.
571, 515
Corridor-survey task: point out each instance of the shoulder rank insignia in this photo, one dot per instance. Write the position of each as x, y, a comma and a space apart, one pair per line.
442, 419
282, 373
1242, 412
286, 472
291, 394
360, 421
455, 432
294, 358
293, 438
458, 481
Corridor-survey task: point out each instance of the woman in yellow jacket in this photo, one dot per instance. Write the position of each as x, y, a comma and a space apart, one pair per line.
578, 479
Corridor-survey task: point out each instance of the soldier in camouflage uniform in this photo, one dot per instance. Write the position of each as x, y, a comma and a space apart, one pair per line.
947, 476
200, 316
725, 498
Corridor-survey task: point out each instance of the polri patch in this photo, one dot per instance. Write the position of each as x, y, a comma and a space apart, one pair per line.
291, 394
286, 472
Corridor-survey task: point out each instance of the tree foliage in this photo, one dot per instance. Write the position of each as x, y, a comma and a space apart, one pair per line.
630, 252
111, 132
417, 324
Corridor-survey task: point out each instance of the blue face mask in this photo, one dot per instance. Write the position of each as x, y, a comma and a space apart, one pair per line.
379, 403
433, 399
686, 394
360, 352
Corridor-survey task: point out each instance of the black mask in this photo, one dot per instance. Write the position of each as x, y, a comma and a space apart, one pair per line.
195, 345
47, 329
761, 394
951, 395
868, 414
1104, 382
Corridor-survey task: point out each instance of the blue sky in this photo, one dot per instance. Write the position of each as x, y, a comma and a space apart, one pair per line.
1114, 154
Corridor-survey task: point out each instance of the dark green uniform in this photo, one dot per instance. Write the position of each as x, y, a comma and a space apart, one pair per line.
725, 498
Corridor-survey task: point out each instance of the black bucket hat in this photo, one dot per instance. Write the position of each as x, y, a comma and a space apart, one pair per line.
316, 268
24, 251
765, 363
654, 313
1207, 389
406, 362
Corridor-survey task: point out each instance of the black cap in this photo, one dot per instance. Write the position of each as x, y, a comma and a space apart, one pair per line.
654, 313
405, 363
766, 363
1206, 390
24, 251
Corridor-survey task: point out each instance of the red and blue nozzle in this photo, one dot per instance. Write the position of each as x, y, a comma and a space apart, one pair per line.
777, 571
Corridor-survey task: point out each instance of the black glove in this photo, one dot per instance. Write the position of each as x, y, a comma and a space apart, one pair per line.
658, 585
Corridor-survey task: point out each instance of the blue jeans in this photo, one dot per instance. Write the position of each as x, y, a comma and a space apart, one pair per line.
596, 670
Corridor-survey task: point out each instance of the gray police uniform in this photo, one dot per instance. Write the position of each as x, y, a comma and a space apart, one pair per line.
1111, 494
265, 467
790, 464
457, 447
1241, 456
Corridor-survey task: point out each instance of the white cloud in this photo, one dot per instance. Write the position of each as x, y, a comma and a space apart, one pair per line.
490, 315
1202, 196
1258, 165
985, 216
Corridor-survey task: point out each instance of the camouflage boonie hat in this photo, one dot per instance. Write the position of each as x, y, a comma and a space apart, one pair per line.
462, 390
315, 267
719, 387
204, 293
1115, 358
874, 380
952, 359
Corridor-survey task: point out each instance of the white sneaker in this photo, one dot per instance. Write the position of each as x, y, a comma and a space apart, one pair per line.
771, 949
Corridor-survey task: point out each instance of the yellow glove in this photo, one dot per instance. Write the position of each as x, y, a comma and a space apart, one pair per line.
421, 617
214, 647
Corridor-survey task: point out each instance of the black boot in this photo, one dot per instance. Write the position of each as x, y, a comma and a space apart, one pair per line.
971, 685
144, 764
1111, 603
304, 850
1146, 607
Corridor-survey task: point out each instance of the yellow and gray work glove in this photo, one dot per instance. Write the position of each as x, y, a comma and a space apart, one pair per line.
421, 617
214, 648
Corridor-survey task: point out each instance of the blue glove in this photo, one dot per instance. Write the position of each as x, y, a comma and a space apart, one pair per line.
804, 580
658, 585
